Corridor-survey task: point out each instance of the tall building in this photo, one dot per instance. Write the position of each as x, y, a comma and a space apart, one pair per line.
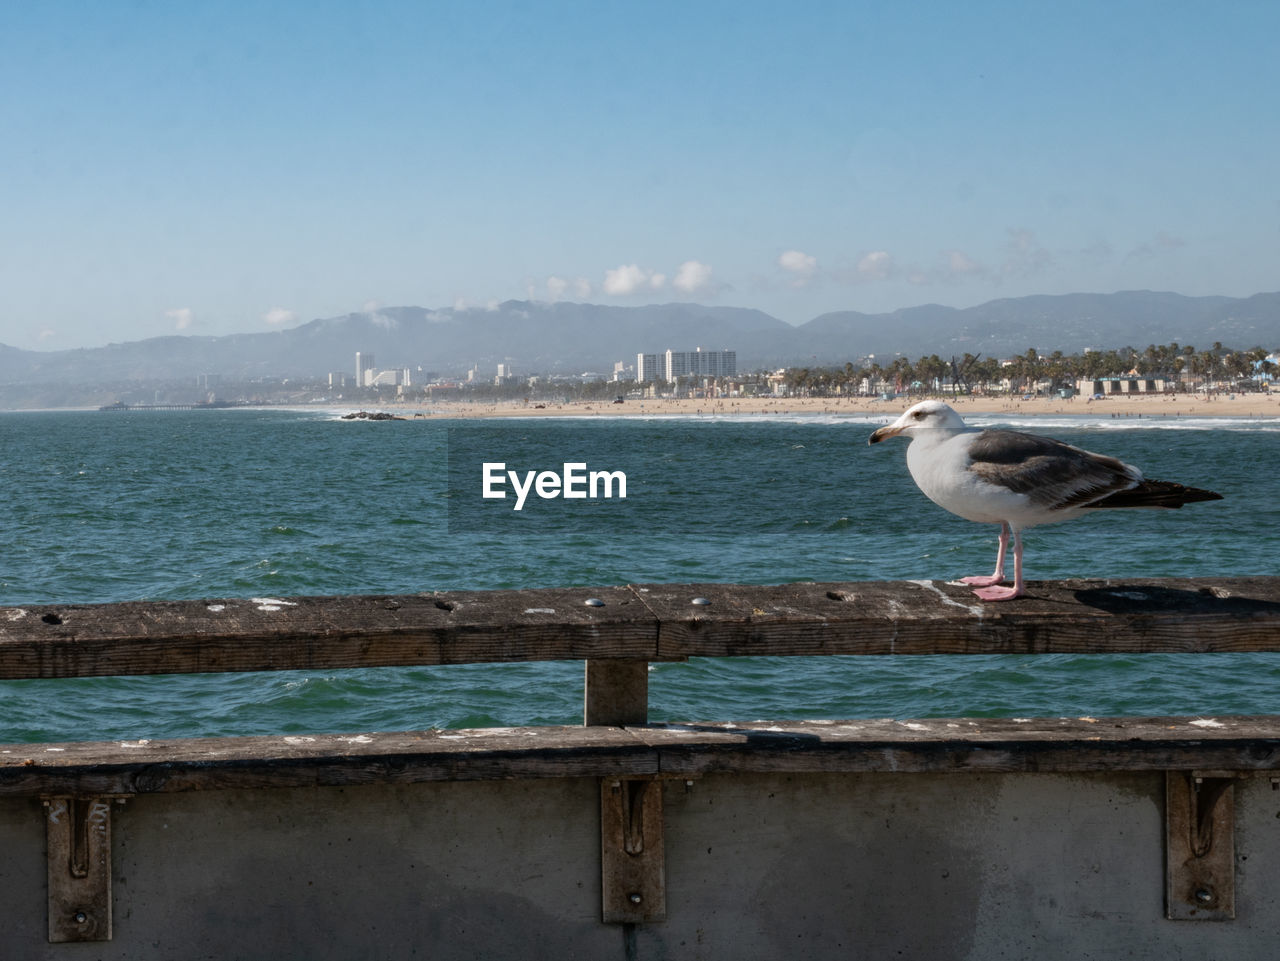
649, 367
364, 369
686, 363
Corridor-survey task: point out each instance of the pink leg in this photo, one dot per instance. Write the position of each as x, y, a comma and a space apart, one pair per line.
998, 576
1008, 593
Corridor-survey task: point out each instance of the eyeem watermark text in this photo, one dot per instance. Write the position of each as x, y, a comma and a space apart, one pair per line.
573, 481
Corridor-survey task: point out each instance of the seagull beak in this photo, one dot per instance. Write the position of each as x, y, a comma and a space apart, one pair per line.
884, 433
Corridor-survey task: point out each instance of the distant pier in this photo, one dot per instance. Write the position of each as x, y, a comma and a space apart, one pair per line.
209, 405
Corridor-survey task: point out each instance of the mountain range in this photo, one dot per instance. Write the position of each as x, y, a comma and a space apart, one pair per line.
575, 338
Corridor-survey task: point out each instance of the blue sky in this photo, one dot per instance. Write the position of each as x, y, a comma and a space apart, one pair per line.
212, 168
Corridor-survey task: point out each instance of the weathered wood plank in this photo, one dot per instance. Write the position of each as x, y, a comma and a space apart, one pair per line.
998, 745
1242, 744
196, 764
935, 617
645, 622
265, 634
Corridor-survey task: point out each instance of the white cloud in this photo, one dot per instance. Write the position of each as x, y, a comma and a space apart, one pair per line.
632, 279
182, 317
877, 265
693, 277
560, 288
801, 266
961, 265
279, 316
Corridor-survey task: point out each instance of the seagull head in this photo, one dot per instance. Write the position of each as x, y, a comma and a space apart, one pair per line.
924, 416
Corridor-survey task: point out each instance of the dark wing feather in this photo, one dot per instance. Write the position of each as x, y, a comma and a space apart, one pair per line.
1053, 474
1154, 493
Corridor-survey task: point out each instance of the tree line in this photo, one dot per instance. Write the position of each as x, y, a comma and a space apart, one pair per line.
1027, 370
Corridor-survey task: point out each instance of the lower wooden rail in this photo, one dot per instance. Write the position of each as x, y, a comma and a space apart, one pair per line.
995, 745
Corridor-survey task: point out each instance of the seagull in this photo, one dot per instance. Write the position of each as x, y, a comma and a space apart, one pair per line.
1017, 480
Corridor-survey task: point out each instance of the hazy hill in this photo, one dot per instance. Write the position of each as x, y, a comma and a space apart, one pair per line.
1070, 323
575, 338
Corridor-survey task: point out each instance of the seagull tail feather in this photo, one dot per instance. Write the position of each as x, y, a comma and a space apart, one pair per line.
1156, 493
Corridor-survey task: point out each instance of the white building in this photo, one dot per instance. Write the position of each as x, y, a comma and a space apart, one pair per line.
701, 363
686, 363
649, 367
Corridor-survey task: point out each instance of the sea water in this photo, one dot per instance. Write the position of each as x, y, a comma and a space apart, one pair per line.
111, 506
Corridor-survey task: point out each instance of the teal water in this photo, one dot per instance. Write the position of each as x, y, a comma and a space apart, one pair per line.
106, 506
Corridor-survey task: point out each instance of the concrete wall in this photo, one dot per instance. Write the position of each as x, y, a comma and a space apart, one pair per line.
768, 866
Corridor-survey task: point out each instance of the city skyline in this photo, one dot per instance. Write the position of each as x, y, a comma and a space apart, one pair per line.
201, 171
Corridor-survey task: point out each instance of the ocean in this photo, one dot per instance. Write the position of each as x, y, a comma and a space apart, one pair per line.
104, 506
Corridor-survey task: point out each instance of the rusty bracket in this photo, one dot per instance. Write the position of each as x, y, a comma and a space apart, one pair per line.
632, 851
78, 832
1200, 847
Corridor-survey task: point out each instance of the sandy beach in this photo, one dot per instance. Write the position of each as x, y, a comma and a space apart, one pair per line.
1154, 405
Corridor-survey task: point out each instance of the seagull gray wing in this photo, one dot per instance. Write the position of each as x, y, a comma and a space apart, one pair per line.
1054, 475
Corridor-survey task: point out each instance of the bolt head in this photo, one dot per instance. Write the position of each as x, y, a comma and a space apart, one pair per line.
634, 898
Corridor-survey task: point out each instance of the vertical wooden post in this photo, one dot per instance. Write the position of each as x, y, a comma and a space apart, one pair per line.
633, 878
78, 831
617, 693
1200, 847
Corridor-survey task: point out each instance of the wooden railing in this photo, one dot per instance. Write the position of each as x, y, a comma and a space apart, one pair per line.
658, 622
617, 631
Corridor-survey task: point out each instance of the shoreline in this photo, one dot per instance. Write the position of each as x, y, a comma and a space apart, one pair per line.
1159, 405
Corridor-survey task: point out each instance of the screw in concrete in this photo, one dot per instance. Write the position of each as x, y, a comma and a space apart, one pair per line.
1204, 895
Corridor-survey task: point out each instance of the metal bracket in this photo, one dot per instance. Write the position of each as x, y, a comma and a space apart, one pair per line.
78, 831
632, 851
1200, 847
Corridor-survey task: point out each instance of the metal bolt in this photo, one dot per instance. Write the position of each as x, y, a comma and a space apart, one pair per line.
701, 601
634, 898
1204, 895
594, 602
81, 917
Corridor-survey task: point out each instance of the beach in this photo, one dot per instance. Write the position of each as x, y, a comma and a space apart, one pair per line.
1132, 405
